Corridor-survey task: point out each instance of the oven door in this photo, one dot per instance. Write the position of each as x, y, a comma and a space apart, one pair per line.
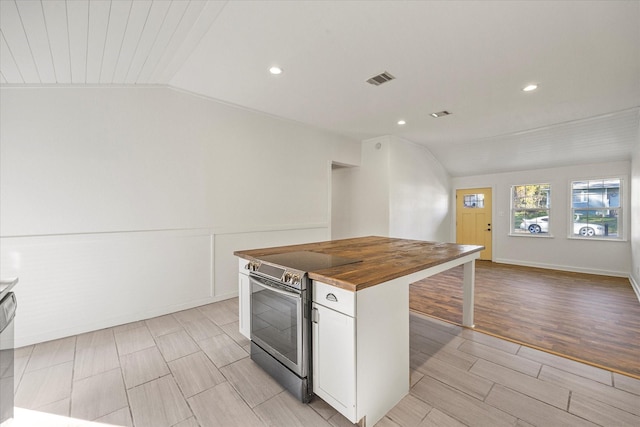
278, 323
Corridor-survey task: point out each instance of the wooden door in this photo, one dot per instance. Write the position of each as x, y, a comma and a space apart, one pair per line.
473, 219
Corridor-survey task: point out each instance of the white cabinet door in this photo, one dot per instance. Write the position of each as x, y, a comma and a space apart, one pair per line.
244, 305
334, 361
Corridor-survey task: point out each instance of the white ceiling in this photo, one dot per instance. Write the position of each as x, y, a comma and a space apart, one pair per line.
470, 58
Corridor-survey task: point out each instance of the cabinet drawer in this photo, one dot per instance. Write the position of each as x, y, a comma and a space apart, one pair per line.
335, 298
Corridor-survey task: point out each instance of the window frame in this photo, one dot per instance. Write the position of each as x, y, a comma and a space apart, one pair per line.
513, 209
621, 234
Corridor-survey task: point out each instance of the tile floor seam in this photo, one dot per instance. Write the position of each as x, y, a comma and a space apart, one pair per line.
313, 409
125, 390
205, 390
603, 402
73, 375
156, 379
519, 393
444, 411
588, 420
536, 399
25, 368
489, 392
539, 370
151, 380
560, 389
473, 364
54, 402
612, 378
244, 399
614, 385
427, 414
462, 391
47, 367
186, 400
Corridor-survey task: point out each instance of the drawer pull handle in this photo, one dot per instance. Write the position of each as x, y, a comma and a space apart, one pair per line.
332, 298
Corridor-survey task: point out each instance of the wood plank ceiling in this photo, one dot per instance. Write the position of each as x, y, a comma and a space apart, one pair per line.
99, 42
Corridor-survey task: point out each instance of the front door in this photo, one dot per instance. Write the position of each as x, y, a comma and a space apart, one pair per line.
473, 219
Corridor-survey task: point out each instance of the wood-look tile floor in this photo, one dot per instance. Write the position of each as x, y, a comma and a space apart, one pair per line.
191, 368
587, 317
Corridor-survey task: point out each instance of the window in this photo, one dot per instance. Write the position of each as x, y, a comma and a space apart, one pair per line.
596, 208
474, 200
530, 205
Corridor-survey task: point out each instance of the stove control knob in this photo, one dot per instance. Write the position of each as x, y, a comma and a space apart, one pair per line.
287, 277
252, 266
295, 279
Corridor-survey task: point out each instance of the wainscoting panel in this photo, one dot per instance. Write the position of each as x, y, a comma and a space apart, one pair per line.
70, 284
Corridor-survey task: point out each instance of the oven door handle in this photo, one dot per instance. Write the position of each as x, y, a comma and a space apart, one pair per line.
273, 288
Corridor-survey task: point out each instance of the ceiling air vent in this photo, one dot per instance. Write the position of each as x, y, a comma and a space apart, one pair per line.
380, 78
440, 114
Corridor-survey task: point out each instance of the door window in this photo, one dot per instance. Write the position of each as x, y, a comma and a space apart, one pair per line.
474, 200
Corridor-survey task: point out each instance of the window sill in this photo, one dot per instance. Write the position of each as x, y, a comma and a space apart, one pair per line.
598, 239
534, 235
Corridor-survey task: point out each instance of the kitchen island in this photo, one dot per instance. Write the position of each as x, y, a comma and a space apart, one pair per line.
384, 259
360, 312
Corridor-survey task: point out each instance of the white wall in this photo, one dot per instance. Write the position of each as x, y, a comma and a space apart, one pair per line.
118, 204
400, 190
635, 218
419, 189
360, 202
557, 252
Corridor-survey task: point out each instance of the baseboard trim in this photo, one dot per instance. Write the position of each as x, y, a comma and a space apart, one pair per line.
636, 286
599, 272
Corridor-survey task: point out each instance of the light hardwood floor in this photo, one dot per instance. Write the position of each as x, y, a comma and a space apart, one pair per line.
191, 368
584, 316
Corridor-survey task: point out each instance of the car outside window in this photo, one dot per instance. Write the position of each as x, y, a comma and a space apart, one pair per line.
596, 208
530, 209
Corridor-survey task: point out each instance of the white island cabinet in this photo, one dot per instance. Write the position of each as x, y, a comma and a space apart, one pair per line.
361, 348
244, 299
334, 347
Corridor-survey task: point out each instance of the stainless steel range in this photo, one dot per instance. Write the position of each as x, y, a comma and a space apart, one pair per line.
280, 315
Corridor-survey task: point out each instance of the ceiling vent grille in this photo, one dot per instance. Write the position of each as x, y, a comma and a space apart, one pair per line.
380, 78
440, 114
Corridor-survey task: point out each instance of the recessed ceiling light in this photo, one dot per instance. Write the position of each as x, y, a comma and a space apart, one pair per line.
440, 114
530, 87
402, 122
275, 70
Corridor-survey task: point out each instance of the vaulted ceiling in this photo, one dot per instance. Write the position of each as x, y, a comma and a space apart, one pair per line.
469, 58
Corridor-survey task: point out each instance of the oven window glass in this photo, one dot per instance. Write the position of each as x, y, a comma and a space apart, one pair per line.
274, 321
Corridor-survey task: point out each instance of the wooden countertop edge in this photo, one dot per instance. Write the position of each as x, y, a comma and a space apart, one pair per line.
350, 286
389, 270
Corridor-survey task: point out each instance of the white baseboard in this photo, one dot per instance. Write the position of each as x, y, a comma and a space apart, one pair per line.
563, 268
635, 285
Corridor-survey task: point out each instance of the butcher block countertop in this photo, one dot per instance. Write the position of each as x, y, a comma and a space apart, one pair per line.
382, 258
